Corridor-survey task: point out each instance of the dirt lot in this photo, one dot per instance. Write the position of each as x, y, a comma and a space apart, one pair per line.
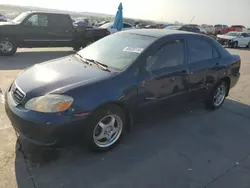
191, 148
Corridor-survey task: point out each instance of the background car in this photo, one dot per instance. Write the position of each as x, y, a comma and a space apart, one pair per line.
173, 27
209, 28
96, 93
111, 29
190, 28
235, 39
237, 28
219, 27
3, 18
202, 30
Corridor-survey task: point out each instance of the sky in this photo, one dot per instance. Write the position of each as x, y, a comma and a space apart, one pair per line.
205, 11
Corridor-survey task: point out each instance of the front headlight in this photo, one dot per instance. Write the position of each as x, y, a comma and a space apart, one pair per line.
50, 103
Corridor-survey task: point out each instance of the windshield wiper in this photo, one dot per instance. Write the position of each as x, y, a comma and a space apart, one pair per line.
91, 61
83, 59
103, 66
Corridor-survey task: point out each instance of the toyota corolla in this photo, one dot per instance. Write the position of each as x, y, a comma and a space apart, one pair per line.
96, 93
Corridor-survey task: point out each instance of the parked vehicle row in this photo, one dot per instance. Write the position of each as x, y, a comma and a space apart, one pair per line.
208, 29
41, 29
97, 96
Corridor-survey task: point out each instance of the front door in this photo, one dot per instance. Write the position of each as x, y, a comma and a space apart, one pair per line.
165, 77
34, 31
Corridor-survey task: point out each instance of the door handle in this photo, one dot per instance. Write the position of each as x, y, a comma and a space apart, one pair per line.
184, 72
51, 33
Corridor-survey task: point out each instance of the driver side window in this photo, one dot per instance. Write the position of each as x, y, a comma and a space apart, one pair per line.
169, 55
40, 20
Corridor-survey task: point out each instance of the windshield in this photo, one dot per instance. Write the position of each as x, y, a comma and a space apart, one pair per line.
117, 50
107, 25
233, 34
21, 17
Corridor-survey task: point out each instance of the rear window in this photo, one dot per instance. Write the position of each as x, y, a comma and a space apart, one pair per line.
200, 50
117, 50
222, 51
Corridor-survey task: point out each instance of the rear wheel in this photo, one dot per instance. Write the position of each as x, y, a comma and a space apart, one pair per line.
105, 128
7, 47
217, 96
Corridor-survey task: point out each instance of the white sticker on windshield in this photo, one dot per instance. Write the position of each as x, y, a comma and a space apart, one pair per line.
132, 49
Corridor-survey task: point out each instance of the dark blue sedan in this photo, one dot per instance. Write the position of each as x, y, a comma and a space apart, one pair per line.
96, 93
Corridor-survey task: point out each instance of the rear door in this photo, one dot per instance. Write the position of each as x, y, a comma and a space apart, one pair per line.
202, 66
165, 78
34, 30
60, 30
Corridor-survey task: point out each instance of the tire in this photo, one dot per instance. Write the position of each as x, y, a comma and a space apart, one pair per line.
235, 44
211, 102
12, 47
248, 46
97, 137
76, 48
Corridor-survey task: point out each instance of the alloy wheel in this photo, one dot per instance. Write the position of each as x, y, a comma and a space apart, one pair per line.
219, 95
107, 131
6, 46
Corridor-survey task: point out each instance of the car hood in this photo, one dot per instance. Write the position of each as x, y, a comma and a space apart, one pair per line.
57, 75
226, 37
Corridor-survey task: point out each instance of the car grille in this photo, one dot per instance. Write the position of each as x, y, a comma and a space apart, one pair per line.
17, 94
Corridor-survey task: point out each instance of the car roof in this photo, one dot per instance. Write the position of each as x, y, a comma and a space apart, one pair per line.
236, 32
45, 12
159, 33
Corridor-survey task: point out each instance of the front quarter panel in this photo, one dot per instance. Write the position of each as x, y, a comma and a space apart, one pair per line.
121, 88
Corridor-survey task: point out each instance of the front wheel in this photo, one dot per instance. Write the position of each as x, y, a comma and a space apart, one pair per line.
7, 48
235, 44
217, 96
105, 128
248, 46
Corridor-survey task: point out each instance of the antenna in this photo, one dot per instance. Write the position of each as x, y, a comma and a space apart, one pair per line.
192, 20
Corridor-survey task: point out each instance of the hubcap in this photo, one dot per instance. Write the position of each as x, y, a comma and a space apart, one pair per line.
220, 94
108, 130
6, 46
